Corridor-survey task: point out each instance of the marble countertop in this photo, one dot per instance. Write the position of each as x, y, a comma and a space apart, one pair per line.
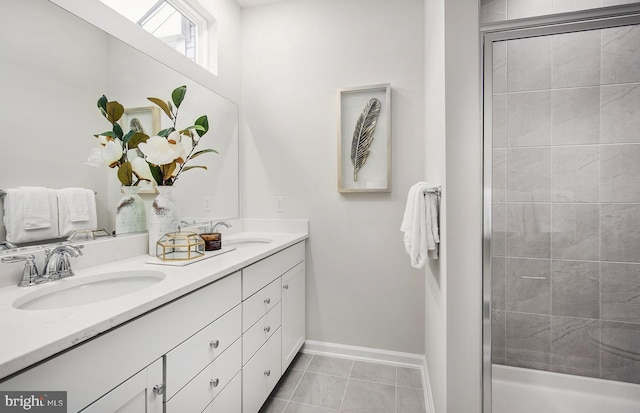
30, 336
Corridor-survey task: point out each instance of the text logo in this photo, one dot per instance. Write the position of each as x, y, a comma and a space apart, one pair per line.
33, 401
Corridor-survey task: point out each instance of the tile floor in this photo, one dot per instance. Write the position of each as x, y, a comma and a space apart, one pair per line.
322, 384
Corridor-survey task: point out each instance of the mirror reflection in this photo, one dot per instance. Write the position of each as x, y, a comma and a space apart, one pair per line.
53, 74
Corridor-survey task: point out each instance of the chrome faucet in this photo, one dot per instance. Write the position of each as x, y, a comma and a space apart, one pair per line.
57, 263
223, 223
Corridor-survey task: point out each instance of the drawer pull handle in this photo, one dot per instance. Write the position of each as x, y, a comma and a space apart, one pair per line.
267, 300
215, 382
215, 343
286, 286
158, 389
267, 373
267, 329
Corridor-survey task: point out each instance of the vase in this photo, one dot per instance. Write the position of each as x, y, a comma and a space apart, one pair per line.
130, 214
163, 217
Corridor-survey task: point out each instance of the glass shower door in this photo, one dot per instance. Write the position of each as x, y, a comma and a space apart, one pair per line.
565, 203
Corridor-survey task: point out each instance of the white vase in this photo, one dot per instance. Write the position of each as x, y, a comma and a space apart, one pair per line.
163, 217
130, 214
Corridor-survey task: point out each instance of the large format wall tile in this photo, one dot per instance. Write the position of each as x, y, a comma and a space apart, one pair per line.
621, 54
576, 230
529, 63
528, 340
620, 232
498, 331
517, 9
620, 173
524, 293
575, 174
576, 116
620, 113
499, 114
499, 65
498, 283
574, 346
620, 292
493, 10
529, 174
575, 289
529, 119
576, 59
529, 230
620, 351
499, 176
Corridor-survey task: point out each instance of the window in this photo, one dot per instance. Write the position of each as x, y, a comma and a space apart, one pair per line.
175, 23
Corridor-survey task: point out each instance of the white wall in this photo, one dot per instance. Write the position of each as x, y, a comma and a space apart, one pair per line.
454, 288
360, 288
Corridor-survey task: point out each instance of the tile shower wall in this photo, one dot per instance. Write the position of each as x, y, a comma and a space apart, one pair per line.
566, 202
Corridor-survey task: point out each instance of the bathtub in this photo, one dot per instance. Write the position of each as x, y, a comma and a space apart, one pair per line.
518, 390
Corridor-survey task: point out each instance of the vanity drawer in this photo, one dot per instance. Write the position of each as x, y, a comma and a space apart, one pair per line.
230, 398
261, 374
260, 332
186, 360
260, 303
196, 395
256, 276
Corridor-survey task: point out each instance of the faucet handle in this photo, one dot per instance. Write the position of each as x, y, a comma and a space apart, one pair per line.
57, 262
30, 274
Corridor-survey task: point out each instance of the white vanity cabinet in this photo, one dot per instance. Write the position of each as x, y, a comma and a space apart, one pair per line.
268, 322
220, 348
141, 393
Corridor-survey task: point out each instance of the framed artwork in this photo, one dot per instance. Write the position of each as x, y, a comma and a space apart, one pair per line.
145, 119
364, 139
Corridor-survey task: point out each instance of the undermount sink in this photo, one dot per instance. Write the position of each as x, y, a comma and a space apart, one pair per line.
238, 242
73, 291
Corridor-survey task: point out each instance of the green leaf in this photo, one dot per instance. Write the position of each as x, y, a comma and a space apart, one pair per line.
202, 152
178, 95
204, 122
102, 104
114, 111
157, 173
107, 133
196, 127
163, 105
125, 173
117, 130
168, 169
165, 132
127, 137
137, 139
186, 168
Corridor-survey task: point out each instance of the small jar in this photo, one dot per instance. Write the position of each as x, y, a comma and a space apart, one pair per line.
212, 241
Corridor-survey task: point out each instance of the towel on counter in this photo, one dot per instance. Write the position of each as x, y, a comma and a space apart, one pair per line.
30, 214
420, 224
77, 209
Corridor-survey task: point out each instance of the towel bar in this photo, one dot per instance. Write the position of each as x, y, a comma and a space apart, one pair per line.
3, 193
436, 191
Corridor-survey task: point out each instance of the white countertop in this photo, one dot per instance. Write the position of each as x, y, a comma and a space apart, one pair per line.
29, 336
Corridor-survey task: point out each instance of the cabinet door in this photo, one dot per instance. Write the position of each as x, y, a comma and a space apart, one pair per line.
293, 313
135, 395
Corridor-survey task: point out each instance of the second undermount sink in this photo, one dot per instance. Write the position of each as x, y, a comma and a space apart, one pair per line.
73, 291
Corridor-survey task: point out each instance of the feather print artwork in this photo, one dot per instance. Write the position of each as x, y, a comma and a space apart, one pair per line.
363, 135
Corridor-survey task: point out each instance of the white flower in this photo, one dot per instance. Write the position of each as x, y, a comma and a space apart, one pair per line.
159, 151
103, 140
112, 152
95, 157
141, 169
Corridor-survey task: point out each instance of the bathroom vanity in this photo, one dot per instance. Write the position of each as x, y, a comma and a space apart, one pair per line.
212, 336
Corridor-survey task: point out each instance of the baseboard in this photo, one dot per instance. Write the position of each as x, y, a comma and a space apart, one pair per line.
375, 355
364, 353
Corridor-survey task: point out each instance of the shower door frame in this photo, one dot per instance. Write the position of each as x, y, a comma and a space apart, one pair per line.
593, 19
